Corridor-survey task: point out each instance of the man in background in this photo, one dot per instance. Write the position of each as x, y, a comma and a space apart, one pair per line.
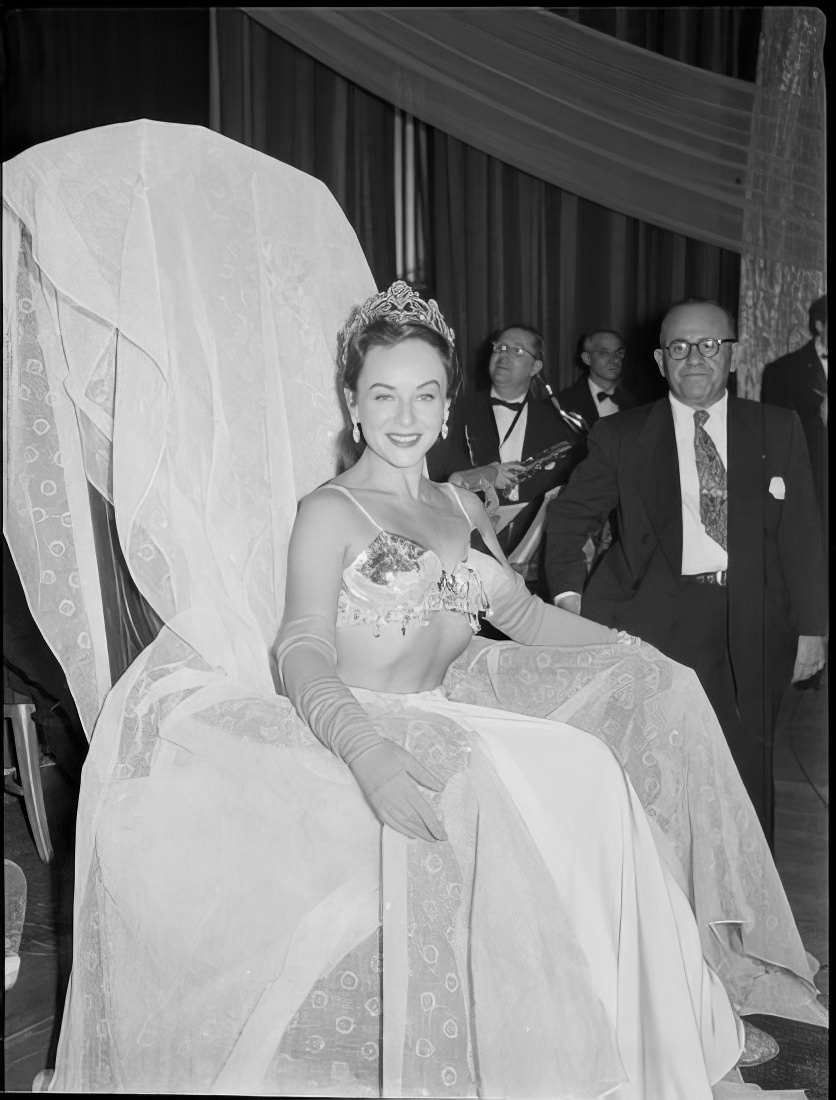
718, 559
599, 390
508, 424
798, 381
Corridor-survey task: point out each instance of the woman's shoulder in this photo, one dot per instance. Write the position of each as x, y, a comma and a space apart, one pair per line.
330, 502
472, 506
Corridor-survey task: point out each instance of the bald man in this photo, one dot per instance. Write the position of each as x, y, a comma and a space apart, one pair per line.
718, 561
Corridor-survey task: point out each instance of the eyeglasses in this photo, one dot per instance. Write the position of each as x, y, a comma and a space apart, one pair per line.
707, 347
609, 353
512, 349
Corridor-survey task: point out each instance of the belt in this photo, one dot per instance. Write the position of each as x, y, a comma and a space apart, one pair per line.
719, 577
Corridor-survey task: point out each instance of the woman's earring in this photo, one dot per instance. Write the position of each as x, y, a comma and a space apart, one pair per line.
444, 428
355, 431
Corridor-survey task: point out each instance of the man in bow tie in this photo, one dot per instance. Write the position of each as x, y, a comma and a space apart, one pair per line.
507, 424
599, 390
718, 561
799, 381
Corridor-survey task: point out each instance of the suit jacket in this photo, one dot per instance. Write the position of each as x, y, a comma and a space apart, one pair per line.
776, 587
577, 398
792, 381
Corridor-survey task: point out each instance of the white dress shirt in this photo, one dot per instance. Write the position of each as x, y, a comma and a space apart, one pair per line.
700, 553
606, 407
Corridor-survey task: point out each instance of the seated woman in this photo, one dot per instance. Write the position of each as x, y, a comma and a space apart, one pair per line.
567, 890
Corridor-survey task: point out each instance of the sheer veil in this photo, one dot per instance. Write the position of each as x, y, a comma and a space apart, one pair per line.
171, 300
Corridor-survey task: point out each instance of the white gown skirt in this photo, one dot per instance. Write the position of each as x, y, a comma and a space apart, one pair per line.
674, 1029
244, 926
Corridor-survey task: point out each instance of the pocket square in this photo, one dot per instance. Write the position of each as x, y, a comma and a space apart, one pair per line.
777, 488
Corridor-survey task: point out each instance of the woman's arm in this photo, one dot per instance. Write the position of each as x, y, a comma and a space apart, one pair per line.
305, 654
523, 617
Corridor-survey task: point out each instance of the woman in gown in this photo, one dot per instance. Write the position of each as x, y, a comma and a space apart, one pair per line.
235, 894
384, 590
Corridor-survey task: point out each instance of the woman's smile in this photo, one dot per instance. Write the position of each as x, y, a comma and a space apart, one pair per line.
404, 440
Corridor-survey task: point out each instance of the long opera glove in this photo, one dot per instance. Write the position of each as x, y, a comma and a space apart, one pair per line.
528, 619
385, 772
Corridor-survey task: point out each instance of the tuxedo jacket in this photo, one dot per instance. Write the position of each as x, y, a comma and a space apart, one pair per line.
776, 585
475, 442
792, 381
577, 398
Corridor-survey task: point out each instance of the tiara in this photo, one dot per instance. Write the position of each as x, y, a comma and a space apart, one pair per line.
400, 303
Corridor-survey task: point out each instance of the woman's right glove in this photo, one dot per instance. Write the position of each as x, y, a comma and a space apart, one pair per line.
387, 775
385, 772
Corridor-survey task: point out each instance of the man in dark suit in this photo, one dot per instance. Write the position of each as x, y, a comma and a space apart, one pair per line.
599, 390
799, 381
718, 560
508, 424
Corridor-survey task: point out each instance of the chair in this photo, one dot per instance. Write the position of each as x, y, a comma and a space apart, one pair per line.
14, 888
18, 711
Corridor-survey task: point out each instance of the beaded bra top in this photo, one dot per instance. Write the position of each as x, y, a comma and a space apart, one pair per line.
396, 580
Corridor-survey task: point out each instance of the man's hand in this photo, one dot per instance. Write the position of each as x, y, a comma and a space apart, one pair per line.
823, 407
508, 475
570, 602
810, 658
499, 475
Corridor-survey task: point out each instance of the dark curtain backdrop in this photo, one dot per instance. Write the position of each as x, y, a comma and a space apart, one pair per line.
70, 69
500, 245
280, 101
503, 246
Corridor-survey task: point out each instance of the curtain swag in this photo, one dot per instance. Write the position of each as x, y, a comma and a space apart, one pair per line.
639, 133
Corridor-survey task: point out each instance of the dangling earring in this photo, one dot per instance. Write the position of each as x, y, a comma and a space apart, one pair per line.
444, 428
355, 431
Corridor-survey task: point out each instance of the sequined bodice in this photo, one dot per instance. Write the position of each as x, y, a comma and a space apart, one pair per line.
396, 580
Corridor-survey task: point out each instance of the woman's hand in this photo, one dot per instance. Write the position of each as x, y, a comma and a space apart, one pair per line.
387, 775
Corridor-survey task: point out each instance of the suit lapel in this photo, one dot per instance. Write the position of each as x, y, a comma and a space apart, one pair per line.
815, 368
658, 481
746, 494
589, 410
746, 449
481, 429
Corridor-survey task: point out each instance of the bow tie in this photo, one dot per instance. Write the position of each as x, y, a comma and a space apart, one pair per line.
603, 395
823, 355
514, 406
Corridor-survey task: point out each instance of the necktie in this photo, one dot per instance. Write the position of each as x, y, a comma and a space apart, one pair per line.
603, 395
514, 406
712, 475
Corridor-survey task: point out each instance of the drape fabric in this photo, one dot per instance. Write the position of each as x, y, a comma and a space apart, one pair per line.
784, 227
501, 244
116, 210
624, 127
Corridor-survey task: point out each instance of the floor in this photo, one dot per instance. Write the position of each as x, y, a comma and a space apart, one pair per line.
33, 1006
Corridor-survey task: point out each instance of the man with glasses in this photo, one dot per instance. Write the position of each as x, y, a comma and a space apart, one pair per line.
599, 391
507, 424
718, 561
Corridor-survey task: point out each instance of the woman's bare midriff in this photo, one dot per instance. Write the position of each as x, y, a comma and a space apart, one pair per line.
401, 662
